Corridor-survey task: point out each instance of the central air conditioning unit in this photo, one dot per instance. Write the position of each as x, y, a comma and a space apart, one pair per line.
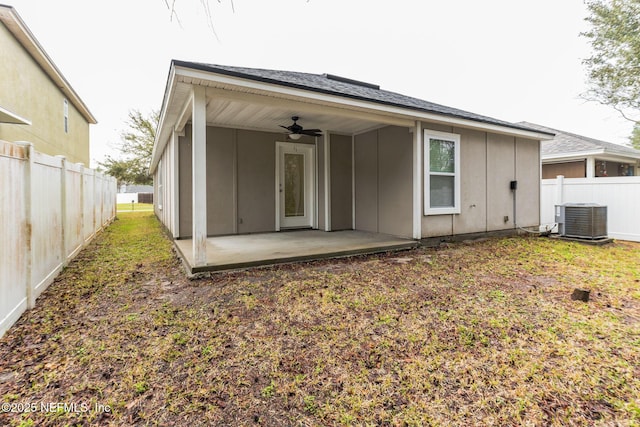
582, 220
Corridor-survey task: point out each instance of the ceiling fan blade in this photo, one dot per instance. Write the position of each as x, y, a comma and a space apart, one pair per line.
286, 127
311, 132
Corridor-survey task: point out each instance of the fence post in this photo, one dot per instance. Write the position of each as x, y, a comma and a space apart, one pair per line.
93, 208
559, 189
63, 208
28, 220
82, 202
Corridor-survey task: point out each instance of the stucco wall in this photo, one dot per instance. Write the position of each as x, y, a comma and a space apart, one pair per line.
26, 90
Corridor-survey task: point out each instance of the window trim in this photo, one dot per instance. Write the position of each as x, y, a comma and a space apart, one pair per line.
65, 113
455, 138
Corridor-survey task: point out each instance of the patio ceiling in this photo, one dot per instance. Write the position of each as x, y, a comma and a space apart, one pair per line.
245, 107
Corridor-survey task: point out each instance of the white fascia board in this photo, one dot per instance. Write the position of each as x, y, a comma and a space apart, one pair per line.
405, 113
7, 116
164, 129
570, 156
25, 37
596, 155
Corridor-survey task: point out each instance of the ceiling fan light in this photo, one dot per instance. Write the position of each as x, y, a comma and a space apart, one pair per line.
295, 136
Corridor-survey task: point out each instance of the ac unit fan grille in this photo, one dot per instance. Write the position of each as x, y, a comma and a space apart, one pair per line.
585, 221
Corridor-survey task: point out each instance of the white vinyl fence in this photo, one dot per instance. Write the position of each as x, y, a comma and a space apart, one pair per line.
621, 195
49, 210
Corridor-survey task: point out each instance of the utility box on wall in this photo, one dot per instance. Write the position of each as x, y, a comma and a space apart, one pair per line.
582, 220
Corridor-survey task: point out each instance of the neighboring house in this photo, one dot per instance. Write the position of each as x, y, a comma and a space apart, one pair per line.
384, 162
37, 104
128, 193
132, 188
576, 156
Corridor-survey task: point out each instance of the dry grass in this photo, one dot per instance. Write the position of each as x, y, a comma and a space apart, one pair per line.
471, 334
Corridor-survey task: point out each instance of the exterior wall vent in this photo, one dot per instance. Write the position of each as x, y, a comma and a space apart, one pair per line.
351, 81
582, 220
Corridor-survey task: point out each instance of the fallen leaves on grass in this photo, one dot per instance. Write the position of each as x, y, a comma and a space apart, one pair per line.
483, 333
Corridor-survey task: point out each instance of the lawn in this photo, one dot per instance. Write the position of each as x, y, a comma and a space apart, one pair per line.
482, 333
127, 207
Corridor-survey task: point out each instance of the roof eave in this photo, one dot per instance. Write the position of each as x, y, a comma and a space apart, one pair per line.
10, 18
7, 116
576, 155
302, 91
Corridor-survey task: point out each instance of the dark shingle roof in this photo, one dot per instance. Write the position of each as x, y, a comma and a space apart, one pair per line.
568, 143
328, 84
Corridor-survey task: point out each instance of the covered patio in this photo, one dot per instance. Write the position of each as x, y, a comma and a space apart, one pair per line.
255, 166
250, 250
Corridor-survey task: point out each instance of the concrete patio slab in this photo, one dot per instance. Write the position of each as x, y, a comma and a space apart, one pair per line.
242, 251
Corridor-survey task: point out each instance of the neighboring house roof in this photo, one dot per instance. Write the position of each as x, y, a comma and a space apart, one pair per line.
566, 144
10, 18
136, 189
340, 86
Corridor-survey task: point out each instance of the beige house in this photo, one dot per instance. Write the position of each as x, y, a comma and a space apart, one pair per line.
37, 104
241, 151
577, 156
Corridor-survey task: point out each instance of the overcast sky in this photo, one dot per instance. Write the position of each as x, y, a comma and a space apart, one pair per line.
509, 59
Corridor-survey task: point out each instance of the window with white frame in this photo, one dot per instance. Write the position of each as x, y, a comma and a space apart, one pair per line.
441, 173
65, 110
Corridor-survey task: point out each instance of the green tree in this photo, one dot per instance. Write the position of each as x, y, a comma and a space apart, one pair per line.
635, 136
135, 147
614, 67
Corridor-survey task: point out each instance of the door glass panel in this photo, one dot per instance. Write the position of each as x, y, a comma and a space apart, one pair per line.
293, 185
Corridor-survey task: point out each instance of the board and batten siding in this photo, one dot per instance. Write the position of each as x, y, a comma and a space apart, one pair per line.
384, 181
488, 163
165, 187
241, 176
240, 181
341, 178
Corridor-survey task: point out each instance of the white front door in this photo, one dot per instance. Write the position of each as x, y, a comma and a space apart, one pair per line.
295, 185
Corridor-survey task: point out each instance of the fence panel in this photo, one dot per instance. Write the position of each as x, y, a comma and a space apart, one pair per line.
13, 262
46, 220
621, 195
74, 210
89, 225
49, 210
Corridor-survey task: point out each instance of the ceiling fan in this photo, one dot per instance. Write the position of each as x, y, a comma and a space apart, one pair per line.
296, 131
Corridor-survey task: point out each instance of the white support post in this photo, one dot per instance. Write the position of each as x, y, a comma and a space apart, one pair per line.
175, 181
591, 167
559, 189
353, 182
417, 181
199, 175
327, 181
63, 209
